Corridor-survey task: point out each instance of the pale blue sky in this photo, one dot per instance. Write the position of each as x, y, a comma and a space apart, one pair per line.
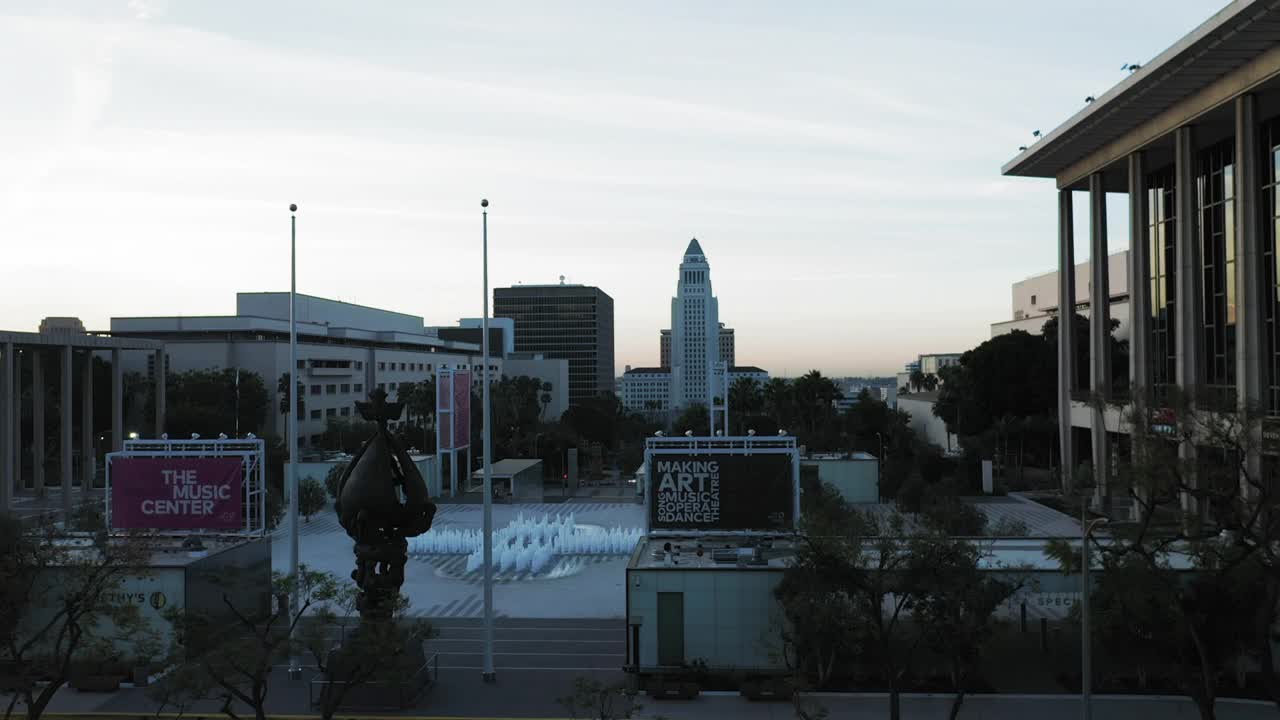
838, 161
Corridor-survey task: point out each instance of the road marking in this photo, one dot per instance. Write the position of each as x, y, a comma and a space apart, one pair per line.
619, 641
538, 654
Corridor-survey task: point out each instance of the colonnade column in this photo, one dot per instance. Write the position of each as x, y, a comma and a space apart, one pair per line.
1250, 327
1139, 280
117, 401
37, 422
66, 410
88, 457
1187, 305
7, 402
161, 373
1099, 335
1066, 334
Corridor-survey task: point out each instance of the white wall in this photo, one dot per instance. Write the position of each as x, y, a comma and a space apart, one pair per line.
923, 421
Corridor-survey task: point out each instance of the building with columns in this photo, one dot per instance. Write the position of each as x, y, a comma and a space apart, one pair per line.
52, 371
1192, 138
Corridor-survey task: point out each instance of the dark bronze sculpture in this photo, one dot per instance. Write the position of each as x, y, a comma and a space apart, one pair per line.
382, 501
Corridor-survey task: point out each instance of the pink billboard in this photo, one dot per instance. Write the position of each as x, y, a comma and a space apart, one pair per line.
177, 493
461, 410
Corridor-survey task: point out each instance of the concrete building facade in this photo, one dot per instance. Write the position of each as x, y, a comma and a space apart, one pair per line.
648, 389
728, 350
695, 331
345, 351
566, 322
1035, 299
1192, 138
25, 382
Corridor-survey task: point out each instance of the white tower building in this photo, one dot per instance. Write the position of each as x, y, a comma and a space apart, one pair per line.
695, 331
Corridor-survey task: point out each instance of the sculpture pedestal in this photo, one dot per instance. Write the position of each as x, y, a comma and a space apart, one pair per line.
374, 673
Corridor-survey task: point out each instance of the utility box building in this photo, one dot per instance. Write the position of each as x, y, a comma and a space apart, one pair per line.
721, 515
856, 475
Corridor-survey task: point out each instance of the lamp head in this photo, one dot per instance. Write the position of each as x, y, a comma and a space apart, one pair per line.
484, 203
293, 207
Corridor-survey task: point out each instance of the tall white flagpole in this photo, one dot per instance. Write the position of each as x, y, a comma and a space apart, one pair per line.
488, 674
291, 475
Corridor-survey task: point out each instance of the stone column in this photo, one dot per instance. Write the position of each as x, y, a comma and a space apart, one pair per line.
1066, 336
1187, 306
17, 419
161, 376
1099, 335
88, 457
1139, 280
65, 441
7, 403
117, 401
1250, 316
37, 422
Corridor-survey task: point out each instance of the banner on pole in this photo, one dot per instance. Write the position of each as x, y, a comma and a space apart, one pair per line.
461, 410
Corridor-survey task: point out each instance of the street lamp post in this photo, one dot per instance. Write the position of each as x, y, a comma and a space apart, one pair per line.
1086, 650
880, 460
291, 479
488, 674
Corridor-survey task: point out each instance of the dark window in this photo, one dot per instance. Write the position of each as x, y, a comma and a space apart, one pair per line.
345, 412
1161, 234
359, 364
315, 389
330, 389
359, 387
1215, 190
1270, 201
345, 388
1033, 299
382, 366
302, 364
315, 414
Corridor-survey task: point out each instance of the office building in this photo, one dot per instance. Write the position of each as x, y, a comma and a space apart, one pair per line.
1192, 137
727, 350
1035, 299
929, 364
695, 331
345, 351
568, 322
648, 389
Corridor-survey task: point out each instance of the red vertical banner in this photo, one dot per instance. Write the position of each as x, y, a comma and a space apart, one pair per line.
444, 396
461, 410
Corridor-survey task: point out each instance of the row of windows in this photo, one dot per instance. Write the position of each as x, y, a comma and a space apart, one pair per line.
304, 364
334, 389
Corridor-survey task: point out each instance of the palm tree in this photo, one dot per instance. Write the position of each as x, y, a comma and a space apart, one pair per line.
546, 399
778, 400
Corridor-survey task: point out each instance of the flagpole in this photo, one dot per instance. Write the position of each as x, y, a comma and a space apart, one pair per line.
488, 674
291, 474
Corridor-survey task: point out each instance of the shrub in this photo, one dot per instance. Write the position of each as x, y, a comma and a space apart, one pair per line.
332, 480
311, 498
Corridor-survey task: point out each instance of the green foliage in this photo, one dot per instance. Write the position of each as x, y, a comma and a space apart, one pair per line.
593, 699
215, 401
344, 435
333, 479
944, 512
236, 667
695, 418
53, 621
311, 498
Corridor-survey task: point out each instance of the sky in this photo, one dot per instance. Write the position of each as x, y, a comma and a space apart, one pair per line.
839, 162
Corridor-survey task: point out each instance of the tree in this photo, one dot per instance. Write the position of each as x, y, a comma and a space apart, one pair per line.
1201, 504
694, 418
746, 398
57, 587
311, 498
232, 400
333, 478
236, 666
916, 379
956, 611
282, 390
350, 653
863, 573
779, 402
593, 699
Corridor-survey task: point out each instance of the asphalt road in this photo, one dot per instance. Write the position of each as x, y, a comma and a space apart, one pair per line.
531, 645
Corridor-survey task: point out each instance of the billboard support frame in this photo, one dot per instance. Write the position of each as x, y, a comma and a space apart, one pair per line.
250, 451
449, 409
741, 446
